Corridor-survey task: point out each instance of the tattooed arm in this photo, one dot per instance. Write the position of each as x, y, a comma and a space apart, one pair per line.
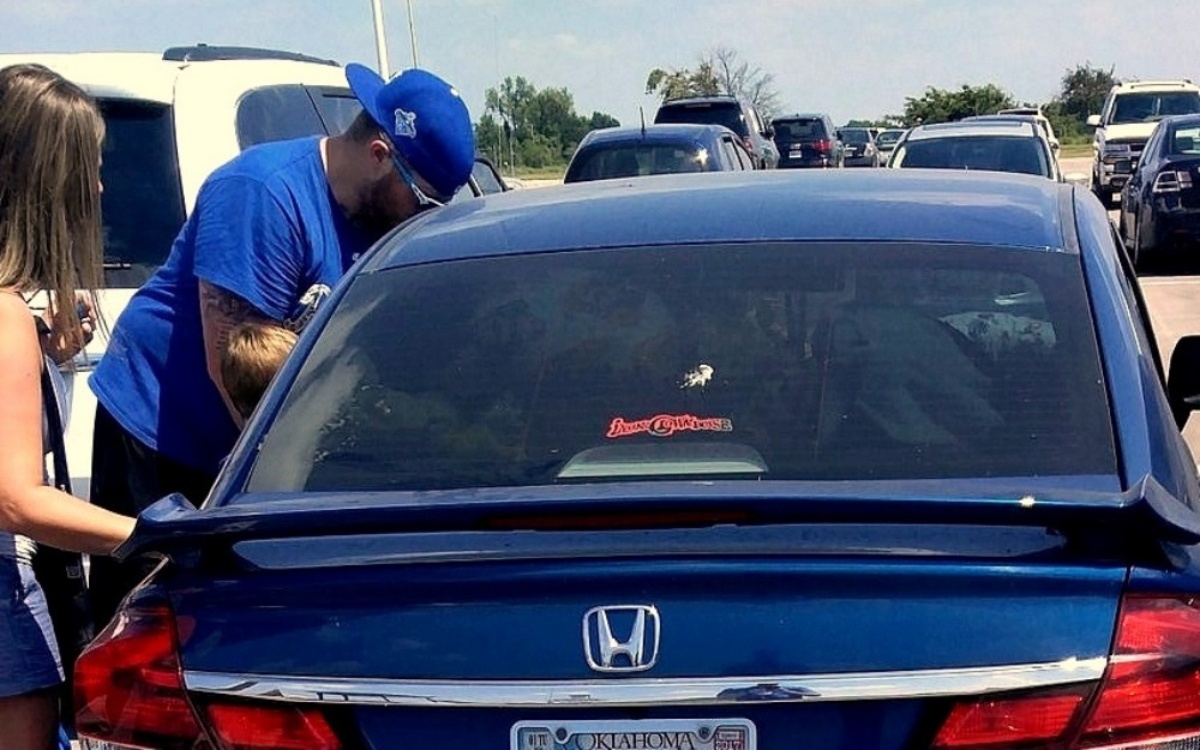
222, 311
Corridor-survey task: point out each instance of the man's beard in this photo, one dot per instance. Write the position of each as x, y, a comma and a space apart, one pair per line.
374, 214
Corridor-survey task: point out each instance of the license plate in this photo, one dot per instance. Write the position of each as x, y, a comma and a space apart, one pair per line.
649, 734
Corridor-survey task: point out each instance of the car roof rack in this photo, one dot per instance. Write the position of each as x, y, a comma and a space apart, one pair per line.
207, 53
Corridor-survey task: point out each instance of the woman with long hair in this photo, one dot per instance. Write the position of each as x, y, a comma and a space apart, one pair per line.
50, 139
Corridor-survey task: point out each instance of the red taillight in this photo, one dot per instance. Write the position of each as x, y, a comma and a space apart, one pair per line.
129, 692
994, 723
824, 146
1152, 688
128, 687
1170, 181
1151, 691
246, 727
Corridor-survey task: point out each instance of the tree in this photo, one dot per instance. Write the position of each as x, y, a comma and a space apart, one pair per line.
720, 71
534, 128
1083, 91
676, 84
942, 105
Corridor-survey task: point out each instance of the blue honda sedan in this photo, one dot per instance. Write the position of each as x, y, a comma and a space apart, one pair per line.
852, 459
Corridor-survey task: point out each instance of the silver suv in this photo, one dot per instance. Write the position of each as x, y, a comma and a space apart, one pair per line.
1130, 112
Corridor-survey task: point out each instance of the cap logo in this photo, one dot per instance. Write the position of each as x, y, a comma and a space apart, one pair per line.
406, 124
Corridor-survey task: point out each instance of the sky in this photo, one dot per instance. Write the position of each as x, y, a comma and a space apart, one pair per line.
854, 59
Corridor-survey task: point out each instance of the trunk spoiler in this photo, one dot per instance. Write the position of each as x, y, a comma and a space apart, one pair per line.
173, 526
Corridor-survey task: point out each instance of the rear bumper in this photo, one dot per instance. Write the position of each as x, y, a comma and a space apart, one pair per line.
1173, 225
806, 162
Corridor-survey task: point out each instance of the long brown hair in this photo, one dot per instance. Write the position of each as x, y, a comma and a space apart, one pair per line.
50, 236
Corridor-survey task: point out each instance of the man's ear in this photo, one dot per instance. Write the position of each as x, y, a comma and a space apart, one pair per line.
381, 155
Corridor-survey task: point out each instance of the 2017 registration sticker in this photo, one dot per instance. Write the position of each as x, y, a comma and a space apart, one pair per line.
662, 734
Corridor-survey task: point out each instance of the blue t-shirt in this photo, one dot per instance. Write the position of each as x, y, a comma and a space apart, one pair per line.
266, 228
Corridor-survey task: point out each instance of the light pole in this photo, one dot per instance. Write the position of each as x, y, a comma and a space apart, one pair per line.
380, 39
412, 33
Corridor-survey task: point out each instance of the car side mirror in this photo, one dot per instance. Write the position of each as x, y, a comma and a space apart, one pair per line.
1183, 379
1093, 121
769, 132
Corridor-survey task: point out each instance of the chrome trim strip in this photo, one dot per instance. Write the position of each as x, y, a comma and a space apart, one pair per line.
647, 691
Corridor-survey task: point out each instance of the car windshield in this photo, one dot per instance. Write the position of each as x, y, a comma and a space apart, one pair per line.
142, 205
788, 131
888, 137
855, 135
719, 113
992, 153
604, 162
1149, 107
778, 361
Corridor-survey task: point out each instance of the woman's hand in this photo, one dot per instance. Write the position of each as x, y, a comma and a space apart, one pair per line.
57, 344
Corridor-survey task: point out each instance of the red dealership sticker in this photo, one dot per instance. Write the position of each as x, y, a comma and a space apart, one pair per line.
665, 425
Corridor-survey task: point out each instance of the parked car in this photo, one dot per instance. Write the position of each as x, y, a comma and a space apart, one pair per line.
657, 149
859, 145
1125, 122
1042, 121
808, 140
737, 114
996, 144
1160, 206
171, 119
669, 463
887, 140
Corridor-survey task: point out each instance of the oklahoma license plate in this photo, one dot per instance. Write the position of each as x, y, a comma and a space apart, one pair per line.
650, 734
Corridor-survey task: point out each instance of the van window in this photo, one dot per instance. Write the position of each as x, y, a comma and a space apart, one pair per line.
277, 113
142, 205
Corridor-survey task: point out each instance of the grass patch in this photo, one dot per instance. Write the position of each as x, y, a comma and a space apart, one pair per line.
541, 173
1074, 150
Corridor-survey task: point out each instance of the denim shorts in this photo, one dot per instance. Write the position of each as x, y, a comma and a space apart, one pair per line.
28, 653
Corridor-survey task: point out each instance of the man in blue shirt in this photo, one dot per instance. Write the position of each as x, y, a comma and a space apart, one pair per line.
271, 232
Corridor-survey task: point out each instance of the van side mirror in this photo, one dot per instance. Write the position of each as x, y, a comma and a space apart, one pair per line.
1183, 379
1093, 121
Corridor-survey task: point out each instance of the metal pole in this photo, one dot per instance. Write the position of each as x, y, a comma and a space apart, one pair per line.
380, 40
412, 33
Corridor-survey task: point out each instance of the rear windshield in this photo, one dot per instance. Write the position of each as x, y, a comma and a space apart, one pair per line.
728, 114
142, 204
856, 136
991, 153
1186, 141
800, 130
606, 162
770, 361
1149, 107
888, 137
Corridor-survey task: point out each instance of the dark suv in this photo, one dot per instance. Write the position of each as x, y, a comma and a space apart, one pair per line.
738, 115
807, 141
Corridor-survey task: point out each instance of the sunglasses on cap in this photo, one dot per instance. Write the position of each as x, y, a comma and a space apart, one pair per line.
424, 200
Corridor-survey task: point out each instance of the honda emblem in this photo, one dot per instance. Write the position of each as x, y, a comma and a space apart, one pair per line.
637, 651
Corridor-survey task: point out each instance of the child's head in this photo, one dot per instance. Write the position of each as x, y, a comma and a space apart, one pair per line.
251, 357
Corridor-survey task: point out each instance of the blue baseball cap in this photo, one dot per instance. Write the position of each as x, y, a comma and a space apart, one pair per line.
425, 119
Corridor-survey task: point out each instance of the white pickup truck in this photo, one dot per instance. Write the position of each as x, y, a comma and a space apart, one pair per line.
1130, 112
